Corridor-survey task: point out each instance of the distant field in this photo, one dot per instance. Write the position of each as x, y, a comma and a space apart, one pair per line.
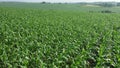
62, 7
34, 35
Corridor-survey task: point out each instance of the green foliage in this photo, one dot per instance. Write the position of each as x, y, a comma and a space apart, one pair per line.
37, 38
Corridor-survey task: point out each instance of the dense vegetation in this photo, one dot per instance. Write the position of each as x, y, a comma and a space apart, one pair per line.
51, 37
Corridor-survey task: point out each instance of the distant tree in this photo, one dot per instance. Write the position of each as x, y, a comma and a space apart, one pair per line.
106, 11
107, 4
118, 4
59, 3
43, 2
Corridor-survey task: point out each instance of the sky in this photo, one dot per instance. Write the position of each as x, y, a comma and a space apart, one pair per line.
62, 0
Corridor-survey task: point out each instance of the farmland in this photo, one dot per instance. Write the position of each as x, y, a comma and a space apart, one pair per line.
58, 36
